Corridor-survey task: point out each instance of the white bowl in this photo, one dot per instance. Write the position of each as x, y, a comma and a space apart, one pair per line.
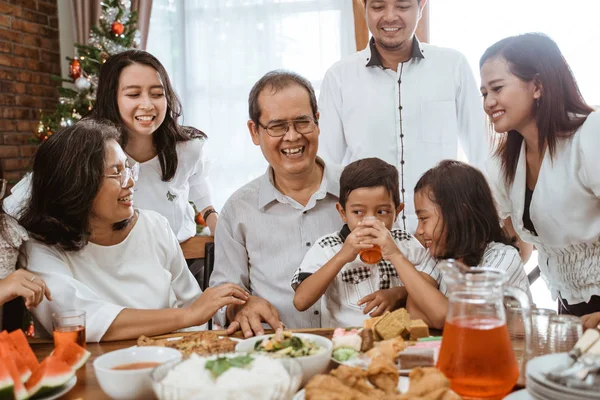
134, 383
311, 365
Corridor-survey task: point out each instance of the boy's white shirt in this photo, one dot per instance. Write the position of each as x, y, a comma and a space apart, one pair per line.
356, 279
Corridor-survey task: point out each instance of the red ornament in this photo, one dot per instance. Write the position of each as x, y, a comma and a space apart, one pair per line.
117, 28
75, 69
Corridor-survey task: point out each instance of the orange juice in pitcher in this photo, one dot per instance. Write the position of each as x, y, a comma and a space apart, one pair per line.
476, 353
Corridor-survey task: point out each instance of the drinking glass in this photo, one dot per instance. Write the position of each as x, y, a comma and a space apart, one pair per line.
563, 332
69, 326
372, 255
540, 320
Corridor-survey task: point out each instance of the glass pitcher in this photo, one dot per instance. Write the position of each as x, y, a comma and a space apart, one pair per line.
476, 353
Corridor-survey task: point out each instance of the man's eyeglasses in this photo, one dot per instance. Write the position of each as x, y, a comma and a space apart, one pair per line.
280, 128
132, 172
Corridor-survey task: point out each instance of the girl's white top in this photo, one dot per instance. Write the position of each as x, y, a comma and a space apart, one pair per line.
171, 199
565, 210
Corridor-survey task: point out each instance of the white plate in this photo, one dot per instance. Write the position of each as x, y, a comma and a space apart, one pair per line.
537, 367
59, 391
402, 388
519, 395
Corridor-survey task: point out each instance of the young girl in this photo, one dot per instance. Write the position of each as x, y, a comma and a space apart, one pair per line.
15, 283
458, 219
546, 171
135, 93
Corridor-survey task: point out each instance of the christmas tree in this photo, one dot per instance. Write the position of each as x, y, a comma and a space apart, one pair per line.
115, 32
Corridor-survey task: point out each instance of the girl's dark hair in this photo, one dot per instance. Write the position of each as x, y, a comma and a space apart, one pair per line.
68, 170
369, 172
465, 202
167, 135
561, 109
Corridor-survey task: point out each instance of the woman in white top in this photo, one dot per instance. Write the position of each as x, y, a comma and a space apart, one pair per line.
124, 267
546, 171
15, 283
458, 219
134, 92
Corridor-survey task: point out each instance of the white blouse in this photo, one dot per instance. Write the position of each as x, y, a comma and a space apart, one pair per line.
171, 199
145, 271
565, 210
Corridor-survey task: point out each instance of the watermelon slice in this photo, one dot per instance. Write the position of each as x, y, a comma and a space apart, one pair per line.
8, 351
20, 343
72, 354
19, 391
6, 383
51, 373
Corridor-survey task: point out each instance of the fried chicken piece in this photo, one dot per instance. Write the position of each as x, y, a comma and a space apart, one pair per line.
426, 380
438, 394
391, 347
146, 341
383, 374
202, 343
356, 378
327, 387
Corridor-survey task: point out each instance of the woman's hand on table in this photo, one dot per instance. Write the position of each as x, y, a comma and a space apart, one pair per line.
23, 283
249, 317
591, 320
212, 300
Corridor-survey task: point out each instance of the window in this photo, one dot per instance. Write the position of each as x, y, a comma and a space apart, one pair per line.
215, 50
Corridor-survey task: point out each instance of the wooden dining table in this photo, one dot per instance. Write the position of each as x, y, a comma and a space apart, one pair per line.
87, 386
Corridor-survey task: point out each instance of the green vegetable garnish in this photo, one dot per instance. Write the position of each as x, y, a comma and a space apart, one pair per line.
219, 365
344, 354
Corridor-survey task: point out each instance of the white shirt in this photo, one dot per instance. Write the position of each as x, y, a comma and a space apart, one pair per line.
565, 211
502, 257
171, 199
357, 279
414, 124
262, 237
145, 271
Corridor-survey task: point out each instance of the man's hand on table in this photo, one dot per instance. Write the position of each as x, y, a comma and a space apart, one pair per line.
249, 317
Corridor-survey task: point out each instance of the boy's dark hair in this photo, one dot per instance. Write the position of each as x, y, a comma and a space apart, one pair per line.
369, 172
275, 81
169, 133
68, 171
465, 202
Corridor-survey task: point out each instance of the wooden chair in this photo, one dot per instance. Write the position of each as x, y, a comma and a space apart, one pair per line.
201, 247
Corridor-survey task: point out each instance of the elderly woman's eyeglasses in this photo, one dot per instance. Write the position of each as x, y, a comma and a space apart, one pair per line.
127, 173
280, 128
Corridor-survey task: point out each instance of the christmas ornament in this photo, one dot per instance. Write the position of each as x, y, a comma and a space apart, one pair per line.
75, 69
104, 56
63, 123
40, 128
82, 84
117, 28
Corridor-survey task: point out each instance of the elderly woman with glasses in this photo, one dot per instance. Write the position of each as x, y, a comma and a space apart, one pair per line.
121, 265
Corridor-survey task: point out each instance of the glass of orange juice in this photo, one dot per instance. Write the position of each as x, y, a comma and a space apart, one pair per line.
69, 326
372, 255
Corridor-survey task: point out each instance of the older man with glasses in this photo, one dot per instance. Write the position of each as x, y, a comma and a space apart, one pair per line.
267, 226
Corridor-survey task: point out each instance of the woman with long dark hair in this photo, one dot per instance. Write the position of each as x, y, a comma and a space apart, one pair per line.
98, 253
546, 171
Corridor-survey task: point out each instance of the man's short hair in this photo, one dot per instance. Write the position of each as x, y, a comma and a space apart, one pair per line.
369, 172
276, 81
365, 2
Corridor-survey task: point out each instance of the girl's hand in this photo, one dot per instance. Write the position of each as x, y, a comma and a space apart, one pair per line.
591, 320
379, 302
377, 233
24, 284
354, 243
213, 299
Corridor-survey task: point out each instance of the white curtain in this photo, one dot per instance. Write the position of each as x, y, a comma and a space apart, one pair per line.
215, 50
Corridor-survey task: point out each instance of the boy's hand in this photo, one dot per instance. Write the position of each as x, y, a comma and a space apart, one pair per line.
354, 243
379, 302
591, 320
375, 232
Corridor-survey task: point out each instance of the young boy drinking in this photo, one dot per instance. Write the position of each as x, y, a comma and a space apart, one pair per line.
333, 267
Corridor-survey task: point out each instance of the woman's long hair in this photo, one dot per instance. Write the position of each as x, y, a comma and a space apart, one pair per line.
167, 135
561, 109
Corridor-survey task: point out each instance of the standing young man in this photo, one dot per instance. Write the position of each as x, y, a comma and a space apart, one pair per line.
400, 100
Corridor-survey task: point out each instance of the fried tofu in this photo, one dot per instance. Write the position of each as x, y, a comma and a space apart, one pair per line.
418, 329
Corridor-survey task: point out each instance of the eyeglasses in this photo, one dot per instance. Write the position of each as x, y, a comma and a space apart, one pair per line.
3, 183
280, 128
132, 172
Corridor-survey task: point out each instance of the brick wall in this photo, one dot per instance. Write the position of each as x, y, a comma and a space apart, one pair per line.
29, 56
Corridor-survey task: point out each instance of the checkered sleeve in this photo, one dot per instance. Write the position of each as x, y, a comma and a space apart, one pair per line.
315, 258
418, 255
